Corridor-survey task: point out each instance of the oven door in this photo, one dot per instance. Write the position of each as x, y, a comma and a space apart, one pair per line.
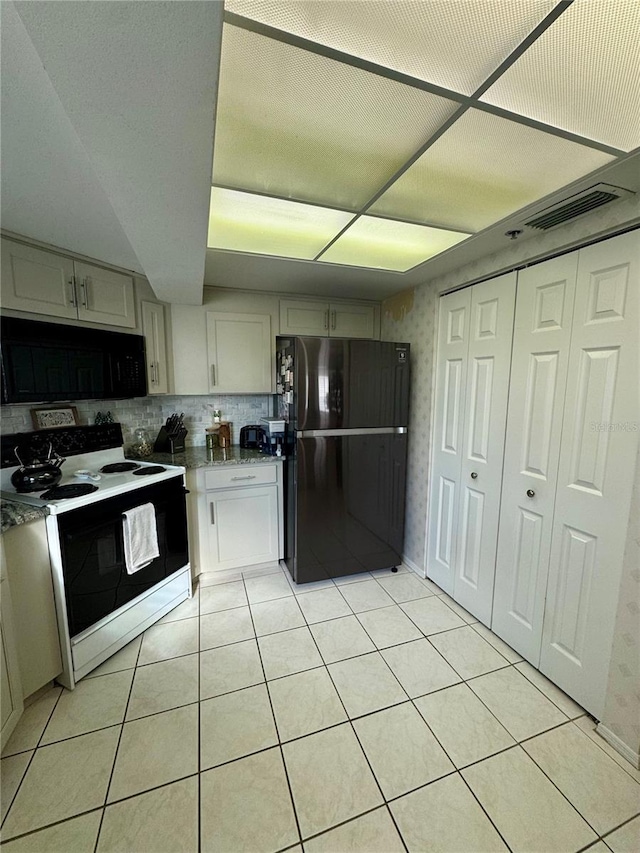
91, 540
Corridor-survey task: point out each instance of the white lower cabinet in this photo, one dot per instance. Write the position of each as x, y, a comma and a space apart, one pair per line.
11, 686
238, 516
569, 461
34, 612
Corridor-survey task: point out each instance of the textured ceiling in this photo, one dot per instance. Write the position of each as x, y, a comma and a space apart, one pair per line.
442, 115
133, 85
108, 123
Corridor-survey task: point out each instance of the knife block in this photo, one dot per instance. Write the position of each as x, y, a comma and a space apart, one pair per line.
166, 443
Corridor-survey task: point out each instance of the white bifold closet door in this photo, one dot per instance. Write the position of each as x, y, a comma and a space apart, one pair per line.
451, 373
542, 336
595, 477
474, 355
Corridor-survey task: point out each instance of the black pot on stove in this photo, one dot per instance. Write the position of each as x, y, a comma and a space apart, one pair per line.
36, 476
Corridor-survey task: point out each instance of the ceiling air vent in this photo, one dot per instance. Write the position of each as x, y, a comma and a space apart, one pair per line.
576, 205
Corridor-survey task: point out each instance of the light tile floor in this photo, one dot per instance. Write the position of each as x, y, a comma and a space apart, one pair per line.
372, 715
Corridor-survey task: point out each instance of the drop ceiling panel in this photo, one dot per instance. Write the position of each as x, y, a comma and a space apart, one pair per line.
298, 125
482, 169
582, 74
245, 222
388, 245
452, 43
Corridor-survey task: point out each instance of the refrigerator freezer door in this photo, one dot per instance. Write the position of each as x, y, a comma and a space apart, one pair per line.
349, 505
350, 384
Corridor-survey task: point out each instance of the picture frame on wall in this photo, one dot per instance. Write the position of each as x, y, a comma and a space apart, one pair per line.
54, 417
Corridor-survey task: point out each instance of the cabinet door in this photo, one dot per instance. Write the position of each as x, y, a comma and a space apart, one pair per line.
105, 296
303, 317
352, 321
595, 478
34, 611
542, 336
37, 281
11, 687
451, 370
239, 353
189, 350
487, 384
243, 526
153, 329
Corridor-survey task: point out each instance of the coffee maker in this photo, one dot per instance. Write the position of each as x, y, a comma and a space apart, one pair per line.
272, 436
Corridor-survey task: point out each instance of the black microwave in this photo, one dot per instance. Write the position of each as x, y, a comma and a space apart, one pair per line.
48, 362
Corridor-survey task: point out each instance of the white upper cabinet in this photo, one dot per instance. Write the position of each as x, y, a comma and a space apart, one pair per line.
104, 296
328, 319
37, 281
153, 329
221, 353
42, 282
239, 353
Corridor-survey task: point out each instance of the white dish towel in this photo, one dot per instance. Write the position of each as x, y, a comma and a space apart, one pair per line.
140, 536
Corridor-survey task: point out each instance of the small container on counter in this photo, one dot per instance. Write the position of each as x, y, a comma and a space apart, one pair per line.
224, 435
142, 445
212, 438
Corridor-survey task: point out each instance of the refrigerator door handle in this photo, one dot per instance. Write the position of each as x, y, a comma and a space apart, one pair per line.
329, 433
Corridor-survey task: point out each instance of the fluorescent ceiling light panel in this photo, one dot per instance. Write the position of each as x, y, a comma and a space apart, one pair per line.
297, 125
482, 169
270, 226
582, 74
389, 245
452, 43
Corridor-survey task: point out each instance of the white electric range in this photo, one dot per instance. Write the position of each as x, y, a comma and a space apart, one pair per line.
100, 607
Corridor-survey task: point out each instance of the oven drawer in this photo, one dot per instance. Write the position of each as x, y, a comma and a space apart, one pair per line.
234, 476
102, 640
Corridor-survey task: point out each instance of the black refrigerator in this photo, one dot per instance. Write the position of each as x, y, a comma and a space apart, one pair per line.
346, 407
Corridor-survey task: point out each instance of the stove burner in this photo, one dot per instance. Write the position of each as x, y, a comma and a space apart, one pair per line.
119, 467
150, 469
72, 490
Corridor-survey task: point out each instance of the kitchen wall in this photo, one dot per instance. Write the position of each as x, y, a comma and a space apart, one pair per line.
152, 412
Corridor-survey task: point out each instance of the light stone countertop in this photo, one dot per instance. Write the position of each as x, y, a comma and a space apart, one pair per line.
14, 513
199, 457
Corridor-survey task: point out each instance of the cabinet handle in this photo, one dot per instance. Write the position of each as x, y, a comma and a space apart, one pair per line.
83, 292
248, 477
213, 374
326, 319
213, 517
531, 493
73, 299
333, 319
474, 476
153, 373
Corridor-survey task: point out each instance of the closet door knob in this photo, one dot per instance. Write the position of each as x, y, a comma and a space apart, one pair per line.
531, 493
474, 476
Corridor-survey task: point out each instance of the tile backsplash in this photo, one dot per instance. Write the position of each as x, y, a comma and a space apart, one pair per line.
152, 412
